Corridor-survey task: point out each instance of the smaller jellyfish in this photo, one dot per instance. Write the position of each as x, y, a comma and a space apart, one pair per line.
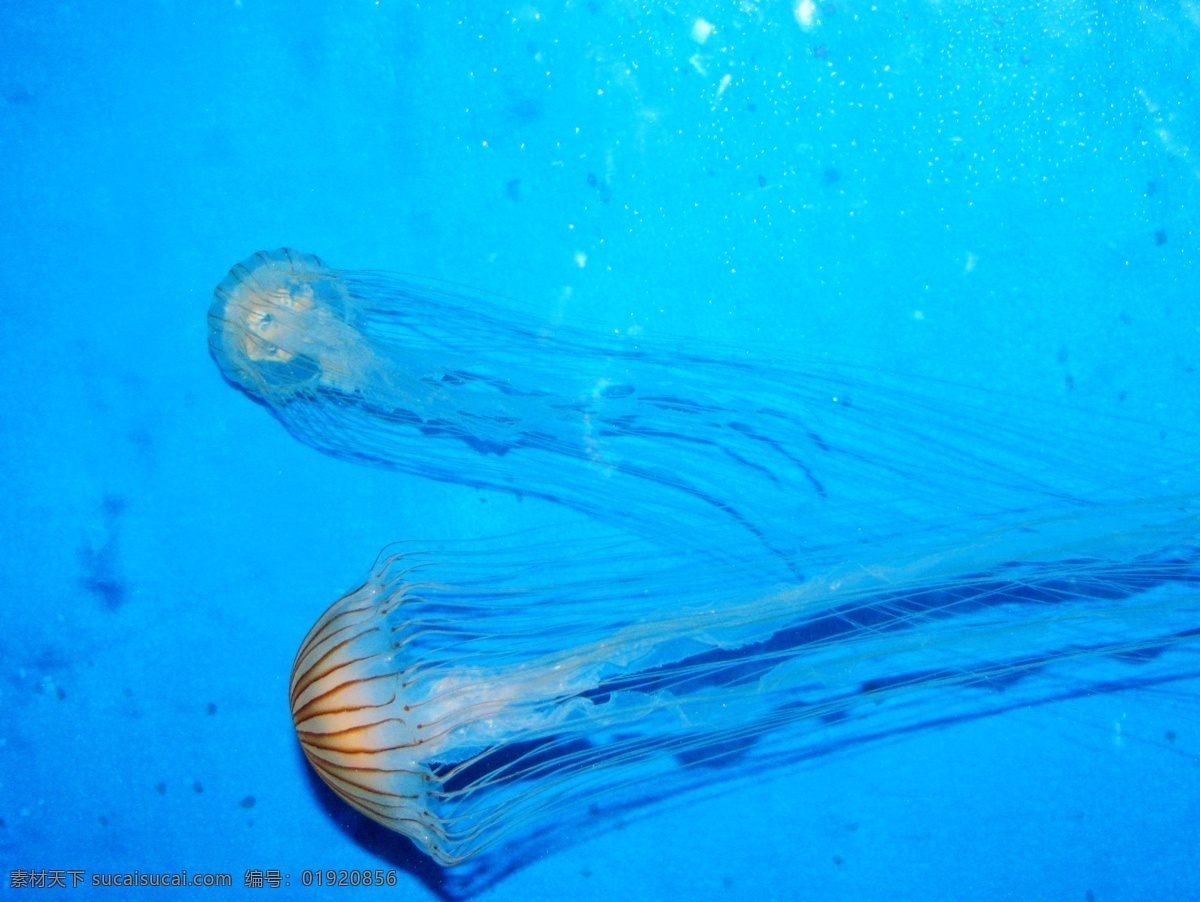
647, 434
377, 369
463, 699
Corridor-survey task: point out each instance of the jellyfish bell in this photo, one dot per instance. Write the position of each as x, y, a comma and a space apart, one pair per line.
280, 323
371, 717
352, 722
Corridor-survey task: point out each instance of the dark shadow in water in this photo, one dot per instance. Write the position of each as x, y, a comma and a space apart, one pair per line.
100, 563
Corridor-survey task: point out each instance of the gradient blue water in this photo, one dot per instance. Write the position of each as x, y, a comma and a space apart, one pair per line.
997, 194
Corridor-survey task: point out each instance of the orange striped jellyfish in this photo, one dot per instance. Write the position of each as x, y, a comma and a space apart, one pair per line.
489, 705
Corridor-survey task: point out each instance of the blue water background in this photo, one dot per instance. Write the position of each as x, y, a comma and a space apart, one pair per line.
998, 194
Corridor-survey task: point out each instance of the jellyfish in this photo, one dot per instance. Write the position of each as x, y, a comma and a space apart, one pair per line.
485, 703
792, 557
637, 434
